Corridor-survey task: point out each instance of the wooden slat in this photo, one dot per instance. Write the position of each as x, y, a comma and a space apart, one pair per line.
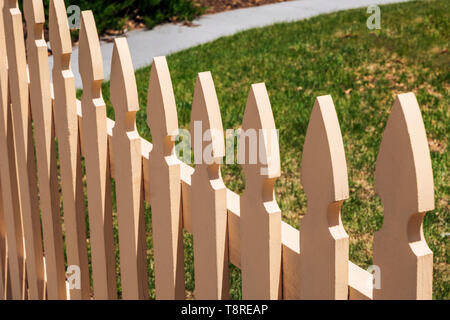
23, 136
164, 184
10, 193
97, 161
42, 114
323, 241
129, 184
3, 101
208, 194
66, 125
404, 182
260, 214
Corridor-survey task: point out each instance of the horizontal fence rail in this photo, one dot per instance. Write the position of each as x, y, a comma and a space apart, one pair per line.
59, 157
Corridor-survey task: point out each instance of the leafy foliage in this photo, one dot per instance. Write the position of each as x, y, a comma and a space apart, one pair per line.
113, 14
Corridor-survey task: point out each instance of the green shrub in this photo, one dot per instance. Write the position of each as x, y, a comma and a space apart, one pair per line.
113, 14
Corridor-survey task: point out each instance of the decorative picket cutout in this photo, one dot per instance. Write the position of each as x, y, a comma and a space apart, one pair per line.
209, 216
42, 114
323, 241
260, 214
97, 161
128, 161
66, 125
23, 137
404, 182
165, 186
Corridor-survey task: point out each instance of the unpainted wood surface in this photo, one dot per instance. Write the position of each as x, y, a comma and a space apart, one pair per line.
165, 185
24, 149
44, 133
97, 161
260, 215
208, 194
404, 182
66, 125
14, 260
128, 175
323, 241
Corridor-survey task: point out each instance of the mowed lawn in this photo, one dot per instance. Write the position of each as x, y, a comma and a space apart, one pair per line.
362, 70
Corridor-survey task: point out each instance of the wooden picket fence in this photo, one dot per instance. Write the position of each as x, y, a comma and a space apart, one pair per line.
277, 261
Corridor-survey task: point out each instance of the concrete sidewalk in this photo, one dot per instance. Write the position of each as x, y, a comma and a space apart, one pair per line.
168, 38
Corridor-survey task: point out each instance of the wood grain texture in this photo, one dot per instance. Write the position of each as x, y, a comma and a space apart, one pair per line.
42, 114
260, 214
208, 194
404, 182
128, 175
97, 161
165, 185
66, 125
23, 137
323, 241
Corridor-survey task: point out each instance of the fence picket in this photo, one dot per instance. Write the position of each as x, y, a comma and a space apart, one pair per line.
97, 161
66, 125
165, 186
3, 96
404, 182
260, 214
209, 215
129, 184
10, 193
23, 137
323, 240
42, 114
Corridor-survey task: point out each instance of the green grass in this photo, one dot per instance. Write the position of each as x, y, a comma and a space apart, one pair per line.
363, 70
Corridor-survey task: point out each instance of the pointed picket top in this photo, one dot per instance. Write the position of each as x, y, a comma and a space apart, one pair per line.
90, 55
404, 182
206, 115
323, 241
162, 115
324, 168
259, 122
403, 176
210, 251
165, 186
124, 96
260, 215
59, 32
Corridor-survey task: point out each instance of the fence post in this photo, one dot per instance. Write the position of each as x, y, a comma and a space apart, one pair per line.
323, 240
10, 192
97, 160
23, 136
208, 194
260, 214
42, 114
66, 125
404, 182
128, 174
165, 186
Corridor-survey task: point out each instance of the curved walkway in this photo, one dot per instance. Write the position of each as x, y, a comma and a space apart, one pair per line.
169, 38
